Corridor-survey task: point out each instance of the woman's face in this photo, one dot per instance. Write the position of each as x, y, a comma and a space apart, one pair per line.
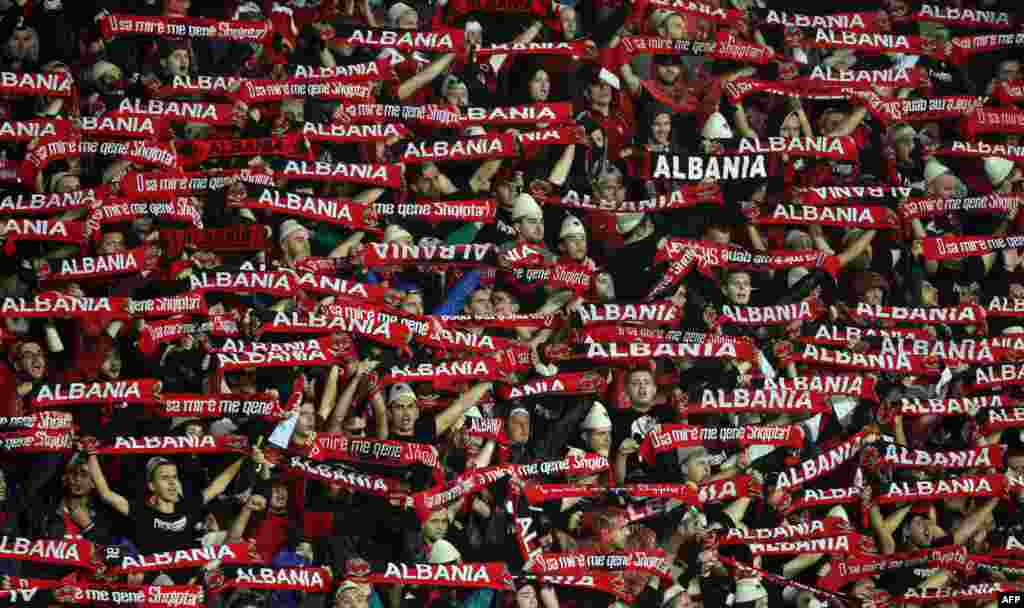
697, 470
540, 86
790, 127
596, 138
904, 148
568, 18
661, 130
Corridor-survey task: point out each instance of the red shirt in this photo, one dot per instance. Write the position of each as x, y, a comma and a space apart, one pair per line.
271, 534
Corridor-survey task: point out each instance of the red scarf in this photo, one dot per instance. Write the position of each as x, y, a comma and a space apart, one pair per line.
780, 314
219, 406
980, 149
674, 436
829, 195
934, 108
27, 130
93, 267
953, 247
965, 46
36, 84
336, 446
345, 133
958, 487
185, 559
216, 114
122, 24
335, 211
821, 465
489, 146
900, 457
492, 575
54, 202
49, 304
952, 315
44, 229
855, 216
81, 393
33, 441
331, 88
372, 174
995, 203
960, 406
116, 211
176, 444
758, 400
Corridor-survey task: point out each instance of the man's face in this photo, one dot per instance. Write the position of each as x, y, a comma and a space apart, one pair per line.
113, 242
278, 498
531, 229
519, 429
604, 287
165, 484
22, 44
738, 288
718, 236
409, 21
306, 423
177, 8
944, 186
831, 121
32, 360
675, 27
600, 93
412, 303
661, 129
436, 526
790, 127
874, 296
77, 481
574, 247
358, 597
526, 597
904, 148
355, 426
1008, 70
111, 368
458, 96
480, 303
68, 183
297, 245
177, 63
697, 469
540, 86
600, 442
506, 191
503, 303
669, 73
641, 388
568, 18
402, 416
921, 531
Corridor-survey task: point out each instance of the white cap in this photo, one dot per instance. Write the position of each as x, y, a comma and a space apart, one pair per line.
346, 585
626, 222
794, 235
443, 552
525, 205
450, 82
840, 512
597, 419
933, 169
717, 127
1013, 330
795, 274
394, 232
998, 169
102, 67
290, 227
474, 26
572, 226
749, 590
903, 132
401, 391
474, 412
397, 10
840, 56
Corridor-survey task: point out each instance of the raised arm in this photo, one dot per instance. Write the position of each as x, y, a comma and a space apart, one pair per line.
116, 501
220, 483
455, 411
425, 76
